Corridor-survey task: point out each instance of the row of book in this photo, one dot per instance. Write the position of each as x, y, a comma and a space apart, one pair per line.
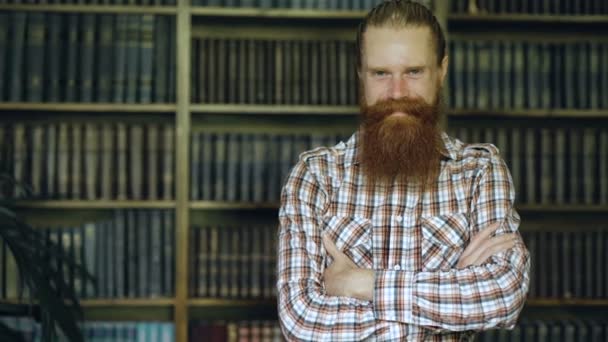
238, 262
274, 71
549, 165
75, 160
235, 331
539, 330
301, 4
496, 74
566, 264
233, 262
131, 255
482, 75
55, 57
247, 167
575, 7
94, 331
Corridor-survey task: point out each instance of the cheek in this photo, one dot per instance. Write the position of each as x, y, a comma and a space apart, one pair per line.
373, 92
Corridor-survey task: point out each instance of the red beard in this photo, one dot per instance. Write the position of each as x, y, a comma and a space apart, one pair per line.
403, 147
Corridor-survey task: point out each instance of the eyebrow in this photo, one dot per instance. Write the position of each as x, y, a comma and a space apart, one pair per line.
407, 68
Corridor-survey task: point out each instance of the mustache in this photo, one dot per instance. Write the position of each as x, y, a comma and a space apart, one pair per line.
415, 107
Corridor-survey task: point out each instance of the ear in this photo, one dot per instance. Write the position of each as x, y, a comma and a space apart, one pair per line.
444, 68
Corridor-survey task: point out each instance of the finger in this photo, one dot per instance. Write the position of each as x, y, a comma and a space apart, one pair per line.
331, 248
474, 254
495, 249
479, 238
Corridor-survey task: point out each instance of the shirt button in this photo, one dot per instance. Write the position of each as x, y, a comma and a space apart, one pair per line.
397, 267
399, 218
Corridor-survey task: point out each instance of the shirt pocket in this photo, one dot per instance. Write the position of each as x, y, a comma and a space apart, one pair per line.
443, 240
352, 236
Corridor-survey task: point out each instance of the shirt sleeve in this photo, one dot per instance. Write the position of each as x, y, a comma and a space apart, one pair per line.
474, 298
305, 312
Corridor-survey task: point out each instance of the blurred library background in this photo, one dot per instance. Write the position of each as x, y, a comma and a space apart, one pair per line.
154, 137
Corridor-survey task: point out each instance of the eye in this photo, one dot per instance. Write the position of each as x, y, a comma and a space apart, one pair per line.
379, 73
414, 72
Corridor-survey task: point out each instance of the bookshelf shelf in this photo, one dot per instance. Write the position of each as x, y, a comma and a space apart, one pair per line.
213, 205
93, 303
571, 208
548, 302
527, 113
88, 107
246, 303
217, 205
527, 18
354, 110
167, 10
128, 302
211, 302
273, 109
81, 204
279, 13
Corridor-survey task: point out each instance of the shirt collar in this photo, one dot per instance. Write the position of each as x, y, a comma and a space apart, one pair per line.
352, 145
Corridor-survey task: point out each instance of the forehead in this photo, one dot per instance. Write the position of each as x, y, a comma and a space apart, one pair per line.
387, 45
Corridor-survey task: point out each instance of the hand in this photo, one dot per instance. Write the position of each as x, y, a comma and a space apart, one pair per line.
343, 277
482, 246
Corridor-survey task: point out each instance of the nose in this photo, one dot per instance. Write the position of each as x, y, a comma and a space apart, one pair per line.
398, 88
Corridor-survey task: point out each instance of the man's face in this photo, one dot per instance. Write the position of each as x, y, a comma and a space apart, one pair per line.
399, 63
400, 105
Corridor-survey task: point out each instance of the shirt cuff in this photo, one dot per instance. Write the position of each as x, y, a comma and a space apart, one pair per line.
393, 293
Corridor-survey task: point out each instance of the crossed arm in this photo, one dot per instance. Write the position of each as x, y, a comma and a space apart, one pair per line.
314, 304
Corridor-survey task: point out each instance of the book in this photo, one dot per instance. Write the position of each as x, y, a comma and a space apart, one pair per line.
91, 153
36, 32
146, 58
76, 144
87, 51
17, 35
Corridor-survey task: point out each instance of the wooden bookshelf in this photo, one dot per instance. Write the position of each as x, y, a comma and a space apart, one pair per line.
82, 204
178, 309
88, 107
65, 8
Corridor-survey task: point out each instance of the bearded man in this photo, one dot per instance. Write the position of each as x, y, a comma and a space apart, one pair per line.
402, 232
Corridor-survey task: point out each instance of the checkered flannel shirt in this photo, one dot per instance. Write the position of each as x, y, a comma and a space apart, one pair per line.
412, 240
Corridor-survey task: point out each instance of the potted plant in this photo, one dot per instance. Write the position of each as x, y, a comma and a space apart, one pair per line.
41, 264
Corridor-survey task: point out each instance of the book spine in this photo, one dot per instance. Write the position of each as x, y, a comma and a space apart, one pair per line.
76, 156
105, 64
87, 52
17, 49
4, 43
72, 85
161, 49
133, 50
146, 58
120, 58
36, 31
153, 155
91, 143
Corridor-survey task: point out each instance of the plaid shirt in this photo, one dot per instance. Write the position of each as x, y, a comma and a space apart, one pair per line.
412, 240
